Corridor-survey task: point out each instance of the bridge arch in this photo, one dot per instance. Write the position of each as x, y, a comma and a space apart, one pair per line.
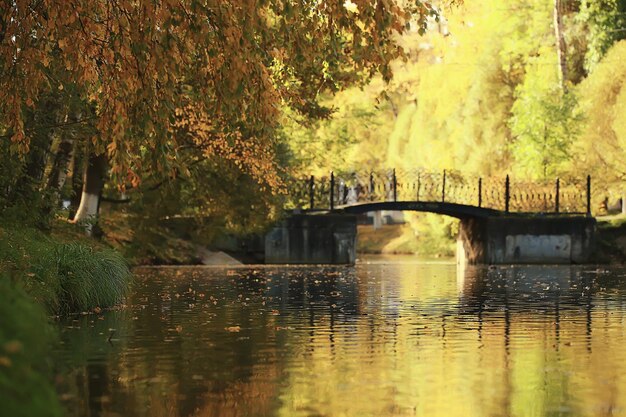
459, 211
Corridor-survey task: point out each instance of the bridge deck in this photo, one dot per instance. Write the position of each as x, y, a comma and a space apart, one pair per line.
448, 209
449, 192
459, 211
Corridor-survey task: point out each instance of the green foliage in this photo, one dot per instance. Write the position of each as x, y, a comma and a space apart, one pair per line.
25, 340
353, 136
26, 195
465, 98
544, 122
436, 234
20, 197
606, 24
600, 147
90, 278
212, 199
39, 277
479, 93
64, 277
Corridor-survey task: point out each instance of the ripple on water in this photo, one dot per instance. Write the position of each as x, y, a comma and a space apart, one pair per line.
372, 340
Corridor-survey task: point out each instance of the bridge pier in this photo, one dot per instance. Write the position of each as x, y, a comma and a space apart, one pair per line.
330, 238
526, 240
312, 239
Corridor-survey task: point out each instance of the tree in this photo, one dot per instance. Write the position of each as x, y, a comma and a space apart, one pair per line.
605, 21
545, 122
561, 48
600, 147
162, 77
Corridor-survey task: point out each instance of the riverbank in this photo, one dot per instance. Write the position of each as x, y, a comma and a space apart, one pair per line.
43, 275
63, 270
611, 240
402, 239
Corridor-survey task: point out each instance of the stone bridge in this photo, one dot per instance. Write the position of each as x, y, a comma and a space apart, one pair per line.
445, 190
501, 220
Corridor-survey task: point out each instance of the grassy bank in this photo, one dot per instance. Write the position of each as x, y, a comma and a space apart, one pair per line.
25, 340
44, 275
402, 239
62, 272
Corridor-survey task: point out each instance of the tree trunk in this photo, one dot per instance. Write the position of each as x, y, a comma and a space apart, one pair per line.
560, 44
93, 182
78, 169
58, 172
56, 178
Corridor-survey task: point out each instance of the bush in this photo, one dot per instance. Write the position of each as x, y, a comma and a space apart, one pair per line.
90, 278
25, 340
64, 277
39, 276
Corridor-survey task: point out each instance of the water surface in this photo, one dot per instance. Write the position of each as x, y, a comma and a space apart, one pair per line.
379, 339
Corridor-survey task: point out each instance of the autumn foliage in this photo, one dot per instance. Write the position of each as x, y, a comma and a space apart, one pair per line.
157, 78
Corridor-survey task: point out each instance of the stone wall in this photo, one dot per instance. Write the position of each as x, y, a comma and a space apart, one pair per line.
527, 240
312, 239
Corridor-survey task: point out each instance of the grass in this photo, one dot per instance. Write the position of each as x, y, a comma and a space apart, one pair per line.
89, 278
25, 338
43, 275
63, 276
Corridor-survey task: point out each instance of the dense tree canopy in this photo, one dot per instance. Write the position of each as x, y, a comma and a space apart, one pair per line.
160, 75
145, 92
481, 92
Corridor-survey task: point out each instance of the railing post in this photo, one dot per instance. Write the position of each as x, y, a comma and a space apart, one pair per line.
588, 195
312, 192
556, 198
480, 192
443, 188
332, 190
419, 184
507, 193
395, 186
372, 186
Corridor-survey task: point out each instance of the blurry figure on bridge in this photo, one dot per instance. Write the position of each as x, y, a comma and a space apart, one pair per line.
614, 207
353, 196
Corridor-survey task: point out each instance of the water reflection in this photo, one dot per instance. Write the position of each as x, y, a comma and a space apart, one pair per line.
380, 339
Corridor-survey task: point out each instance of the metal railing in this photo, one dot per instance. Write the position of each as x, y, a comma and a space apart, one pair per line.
339, 189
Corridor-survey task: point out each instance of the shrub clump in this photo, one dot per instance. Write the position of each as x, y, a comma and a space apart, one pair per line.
38, 277
64, 277
25, 339
89, 278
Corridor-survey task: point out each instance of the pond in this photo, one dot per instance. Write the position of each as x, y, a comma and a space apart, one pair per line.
384, 338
